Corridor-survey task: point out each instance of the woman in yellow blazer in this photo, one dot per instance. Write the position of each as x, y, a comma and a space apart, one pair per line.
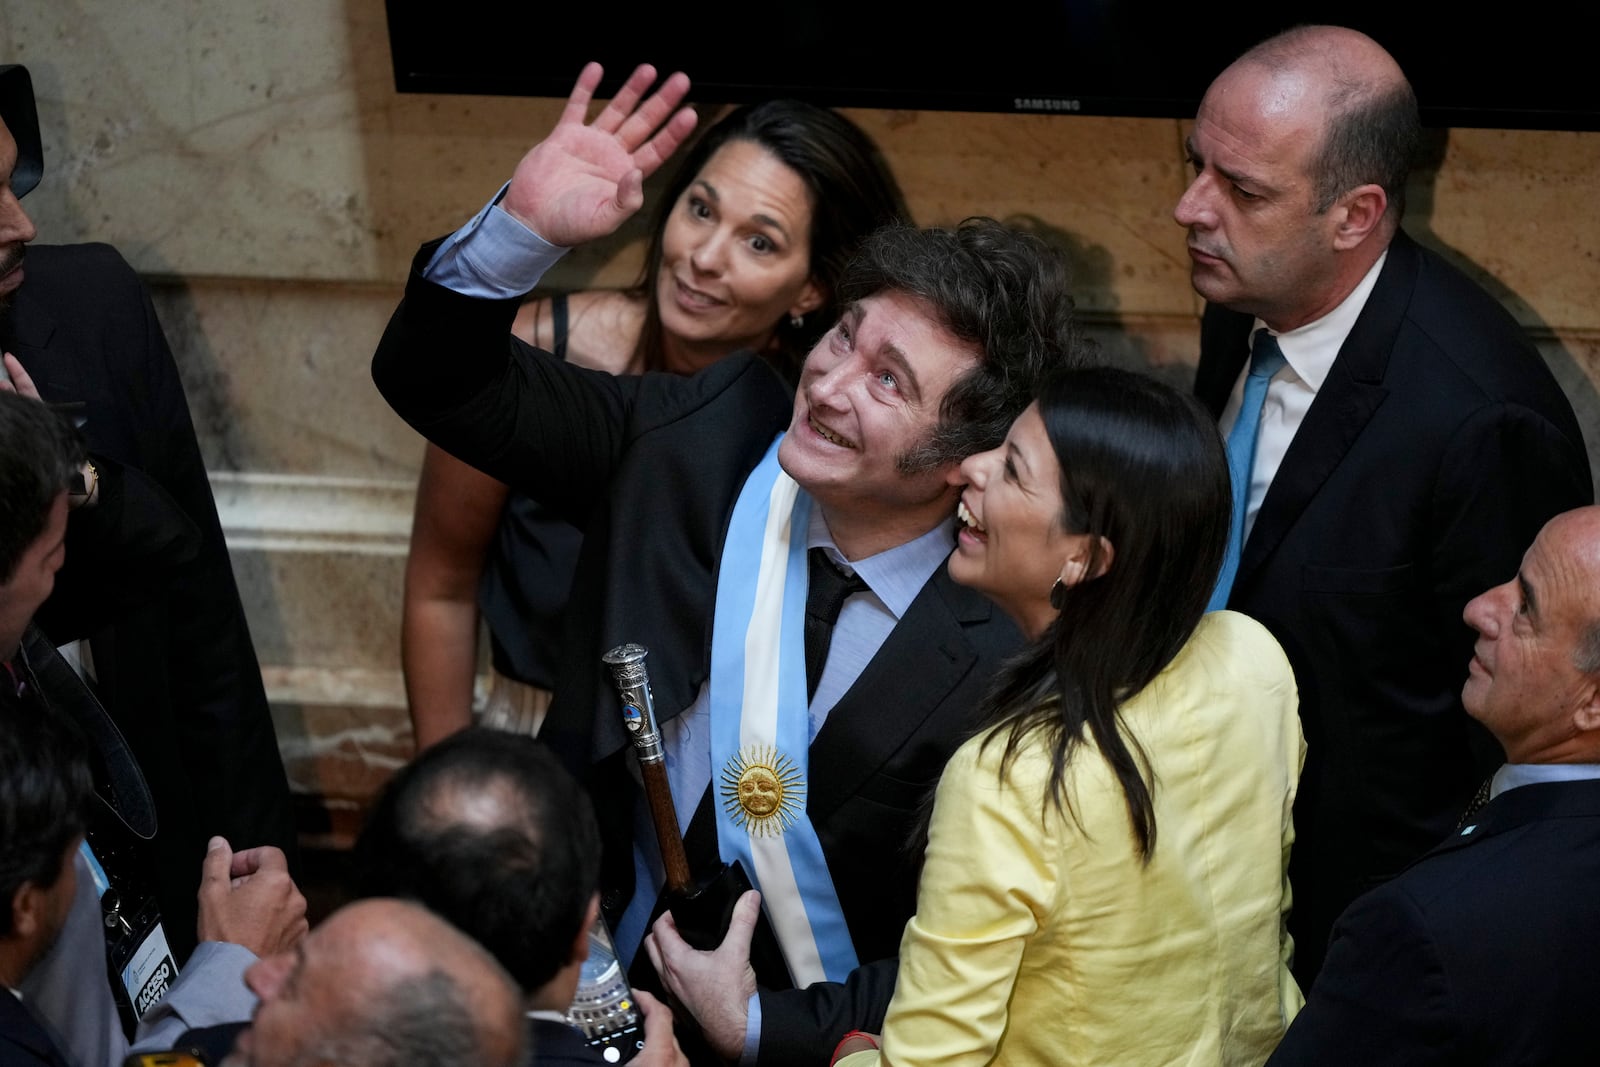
1104, 880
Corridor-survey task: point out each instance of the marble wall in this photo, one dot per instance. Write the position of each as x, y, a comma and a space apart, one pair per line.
255, 164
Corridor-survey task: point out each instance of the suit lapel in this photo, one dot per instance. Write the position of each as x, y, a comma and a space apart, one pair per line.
32, 330
1523, 805
925, 656
1344, 405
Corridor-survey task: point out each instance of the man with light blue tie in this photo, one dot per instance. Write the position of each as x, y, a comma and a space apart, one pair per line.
1396, 442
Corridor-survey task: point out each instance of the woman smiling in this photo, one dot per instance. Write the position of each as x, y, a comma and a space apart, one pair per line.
745, 254
1104, 880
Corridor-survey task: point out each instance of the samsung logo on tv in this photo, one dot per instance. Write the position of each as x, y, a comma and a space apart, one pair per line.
1046, 103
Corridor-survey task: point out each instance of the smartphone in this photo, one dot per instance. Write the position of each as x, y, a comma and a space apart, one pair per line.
604, 1008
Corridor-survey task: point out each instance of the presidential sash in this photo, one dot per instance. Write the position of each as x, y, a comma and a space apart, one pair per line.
760, 724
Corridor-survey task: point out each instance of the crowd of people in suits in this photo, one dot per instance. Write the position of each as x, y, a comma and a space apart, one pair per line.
1039, 712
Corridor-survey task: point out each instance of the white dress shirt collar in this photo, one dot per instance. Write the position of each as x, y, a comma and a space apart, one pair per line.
1311, 349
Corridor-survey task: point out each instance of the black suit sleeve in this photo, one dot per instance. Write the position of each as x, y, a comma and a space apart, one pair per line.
225, 732
1508, 468
801, 1027
449, 365
1382, 997
125, 549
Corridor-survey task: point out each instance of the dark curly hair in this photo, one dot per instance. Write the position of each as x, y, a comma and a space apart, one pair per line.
998, 288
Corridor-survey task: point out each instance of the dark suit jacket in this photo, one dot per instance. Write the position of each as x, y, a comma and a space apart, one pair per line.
1481, 953
23, 1042
1436, 449
649, 468
147, 578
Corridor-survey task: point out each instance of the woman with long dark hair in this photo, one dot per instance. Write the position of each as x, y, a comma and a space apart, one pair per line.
746, 252
1105, 874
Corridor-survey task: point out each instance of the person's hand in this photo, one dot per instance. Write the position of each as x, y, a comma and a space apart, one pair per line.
660, 1044
715, 986
586, 178
17, 380
247, 898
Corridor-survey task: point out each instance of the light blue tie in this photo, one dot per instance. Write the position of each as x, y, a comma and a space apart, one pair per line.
1266, 358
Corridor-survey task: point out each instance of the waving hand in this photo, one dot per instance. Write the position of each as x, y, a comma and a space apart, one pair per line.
586, 178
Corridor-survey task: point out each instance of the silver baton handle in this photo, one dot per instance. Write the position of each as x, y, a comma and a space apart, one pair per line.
638, 708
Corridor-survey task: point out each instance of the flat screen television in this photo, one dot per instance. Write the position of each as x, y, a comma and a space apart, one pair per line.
1529, 66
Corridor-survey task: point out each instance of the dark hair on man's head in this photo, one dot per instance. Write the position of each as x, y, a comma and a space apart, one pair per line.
490, 832
995, 287
44, 795
39, 453
1143, 467
1371, 138
1373, 128
852, 193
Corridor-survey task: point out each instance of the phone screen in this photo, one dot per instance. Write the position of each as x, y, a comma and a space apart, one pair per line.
604, 1007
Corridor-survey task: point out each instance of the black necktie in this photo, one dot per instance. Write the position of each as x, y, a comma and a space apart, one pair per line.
825, 595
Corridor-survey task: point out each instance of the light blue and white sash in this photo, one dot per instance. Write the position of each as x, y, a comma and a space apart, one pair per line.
760, 724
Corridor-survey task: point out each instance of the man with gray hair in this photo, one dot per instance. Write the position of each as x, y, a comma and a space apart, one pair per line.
1483, 952
1395, 442
382, 983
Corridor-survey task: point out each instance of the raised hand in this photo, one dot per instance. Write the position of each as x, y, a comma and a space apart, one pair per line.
249, 899
586, 178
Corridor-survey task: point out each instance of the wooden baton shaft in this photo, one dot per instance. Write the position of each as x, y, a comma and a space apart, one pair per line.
664, 813
639, 718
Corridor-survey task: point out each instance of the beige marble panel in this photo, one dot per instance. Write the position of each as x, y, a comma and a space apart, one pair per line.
1516, 209
1102, 187
278, 376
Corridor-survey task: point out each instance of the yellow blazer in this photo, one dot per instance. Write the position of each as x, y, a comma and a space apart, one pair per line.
1042, 939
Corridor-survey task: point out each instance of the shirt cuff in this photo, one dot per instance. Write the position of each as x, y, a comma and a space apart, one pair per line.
752, 1030
209, 991
492, 257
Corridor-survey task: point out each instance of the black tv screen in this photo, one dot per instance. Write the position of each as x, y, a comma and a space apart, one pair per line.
1523, 67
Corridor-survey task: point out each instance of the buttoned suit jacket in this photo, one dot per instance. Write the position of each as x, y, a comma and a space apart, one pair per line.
147, 579
1479, 954
649, 468
1437, 447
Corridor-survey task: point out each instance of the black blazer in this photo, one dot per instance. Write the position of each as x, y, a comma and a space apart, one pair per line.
1436, 449
1482, 953
147, 578
649, 468
23, 1042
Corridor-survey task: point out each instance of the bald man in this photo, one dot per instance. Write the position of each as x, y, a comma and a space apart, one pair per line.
382, 983
1407, 444
1484, 952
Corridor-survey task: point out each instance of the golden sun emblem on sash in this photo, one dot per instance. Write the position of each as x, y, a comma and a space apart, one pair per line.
762, 791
